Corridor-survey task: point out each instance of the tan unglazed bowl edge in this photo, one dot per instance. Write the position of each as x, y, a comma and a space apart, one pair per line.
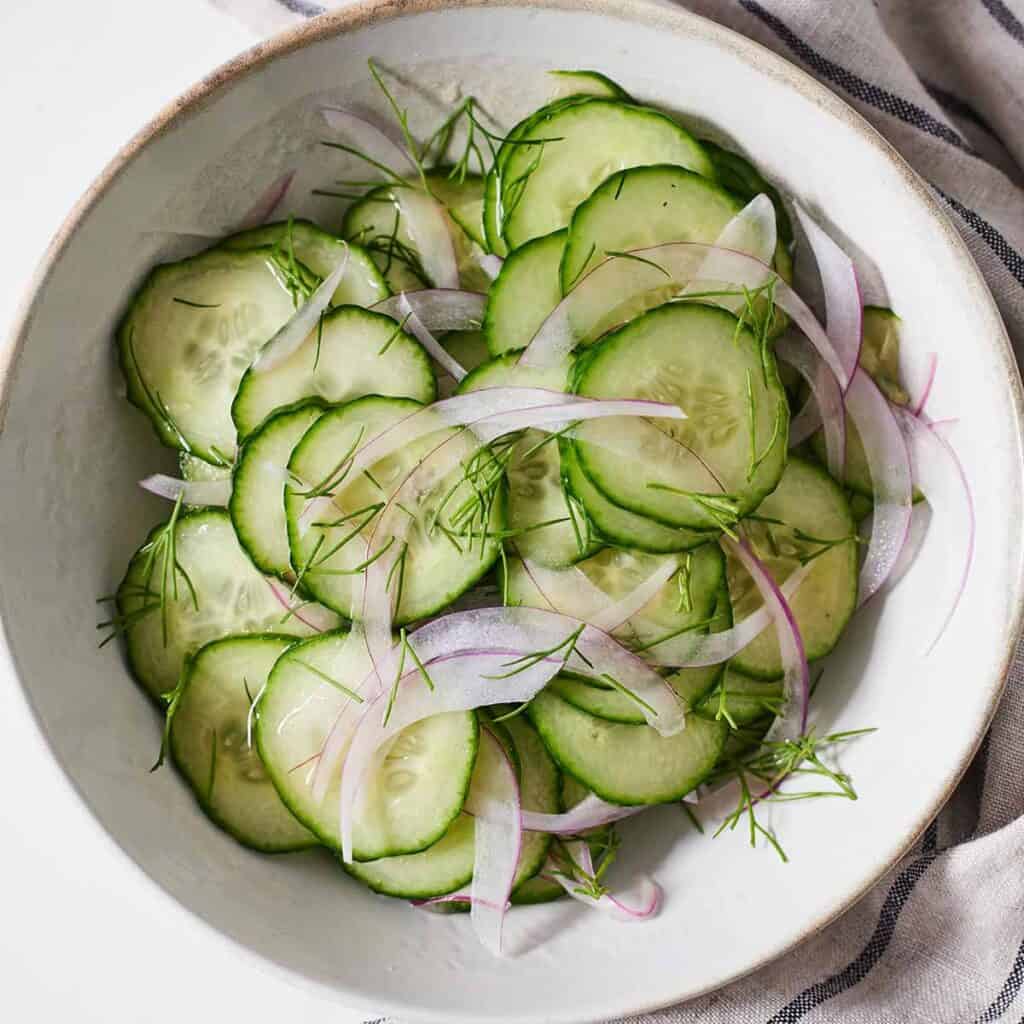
678, 22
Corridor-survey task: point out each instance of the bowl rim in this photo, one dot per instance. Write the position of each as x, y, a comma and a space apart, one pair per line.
679, 22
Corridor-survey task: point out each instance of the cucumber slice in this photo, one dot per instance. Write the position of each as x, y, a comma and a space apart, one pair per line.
320, 252
701, 358
627, 764
194, 468
587, 83
351, 354
537, 890
211, 744
492, 206
463, 198
190, 334
542, 184
448, 864
860, 507
257, 491
641, 207
420, 785
617, 572
376, 223
467, 348
544, 519
439, 565
880, 358
525, 291
231, 597
741, 700
619, 525
809, 501
743, 179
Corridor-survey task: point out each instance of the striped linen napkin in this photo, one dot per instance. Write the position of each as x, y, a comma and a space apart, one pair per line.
940, 940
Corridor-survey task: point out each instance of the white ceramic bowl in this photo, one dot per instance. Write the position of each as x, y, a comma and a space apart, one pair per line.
70, 515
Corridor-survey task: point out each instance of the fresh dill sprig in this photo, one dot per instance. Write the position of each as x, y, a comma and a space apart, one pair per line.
394, 686
395, 334
723, 509
320, 674
567, 648
582, 267
402, 116
683, 583
336, 476
755, 459
196, 305
397, 573
619, 255
773, 763
154, 399
603, 848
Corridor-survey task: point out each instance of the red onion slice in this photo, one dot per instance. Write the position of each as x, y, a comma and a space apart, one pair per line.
940, 475
370, 139
843, 306
489, 262
590, 812
588, 598
302, 322
932, 366
436, 309
309, 613
496, 807
796, 678
889, 464
492, 412
638, 902
824, 408
263, 209
213, 493
689, 650
618, 280
615, 615
427, 223
751, 231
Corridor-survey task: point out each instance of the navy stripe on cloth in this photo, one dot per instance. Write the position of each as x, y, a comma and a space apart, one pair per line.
958, 107
1007, 993
858, 969
859, 88
307, 10
1006, 18
1008, 256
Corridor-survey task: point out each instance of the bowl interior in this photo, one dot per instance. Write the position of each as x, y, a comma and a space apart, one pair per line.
70, 516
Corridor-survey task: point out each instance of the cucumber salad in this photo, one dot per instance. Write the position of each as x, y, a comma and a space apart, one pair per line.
525, 494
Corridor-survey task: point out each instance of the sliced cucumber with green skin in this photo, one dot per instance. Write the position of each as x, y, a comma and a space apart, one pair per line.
536, 490
420, 784
195, 468
492, 205
524, 293
438, 566
448, 864
619, 525
257, 490
375, 223
691, 684
699, 358
537, 890
627, 764
880, 358
467, 348
351, 354
741, 699
463, 199
642, 207
210, 741
542, 185
587, 83
860, 507
362, 283
806, 500
188, 337
743, 179
231, 597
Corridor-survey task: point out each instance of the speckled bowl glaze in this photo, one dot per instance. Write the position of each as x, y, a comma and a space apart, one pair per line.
70, 515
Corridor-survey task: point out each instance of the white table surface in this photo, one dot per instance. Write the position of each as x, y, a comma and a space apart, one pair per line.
84, 935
